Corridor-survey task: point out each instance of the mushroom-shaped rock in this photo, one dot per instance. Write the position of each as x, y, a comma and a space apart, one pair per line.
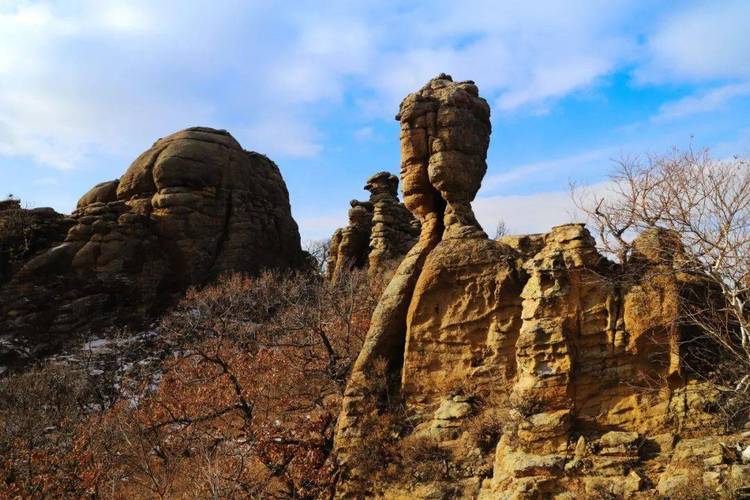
445, 133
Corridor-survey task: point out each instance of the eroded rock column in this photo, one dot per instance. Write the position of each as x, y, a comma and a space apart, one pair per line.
445, 133
445, 130
350, 245
394, 229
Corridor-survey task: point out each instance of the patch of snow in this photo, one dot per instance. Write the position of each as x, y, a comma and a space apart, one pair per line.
95, 344
60, 246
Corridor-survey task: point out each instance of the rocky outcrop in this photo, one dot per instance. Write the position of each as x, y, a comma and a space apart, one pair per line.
191, 207
380, 231
26, 232
350, 245
445, 130
529, 360
394, 229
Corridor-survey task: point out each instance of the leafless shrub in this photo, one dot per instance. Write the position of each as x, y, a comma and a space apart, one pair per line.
424, 458
16, 228
44, 450
485, 429
246, 402
319, 251
500, 229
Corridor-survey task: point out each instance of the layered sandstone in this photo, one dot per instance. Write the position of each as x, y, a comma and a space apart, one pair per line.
445, 130
394, 229
350, 245
192, 206
569, 362
380, 231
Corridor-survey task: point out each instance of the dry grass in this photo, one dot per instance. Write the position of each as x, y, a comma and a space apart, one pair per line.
485, 429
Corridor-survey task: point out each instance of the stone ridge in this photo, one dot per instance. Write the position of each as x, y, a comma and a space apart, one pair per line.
191, 207
580, 371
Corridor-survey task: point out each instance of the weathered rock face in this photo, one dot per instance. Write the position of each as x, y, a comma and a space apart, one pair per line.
191, 207
380, 231
394, 229
445, 133
350, 245
575, 370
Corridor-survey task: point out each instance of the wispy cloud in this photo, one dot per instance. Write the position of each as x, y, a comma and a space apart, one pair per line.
558, 166
697, 42
81, 80
78, 78
321, 226
364, 133
535, 212
704, 102
281, 135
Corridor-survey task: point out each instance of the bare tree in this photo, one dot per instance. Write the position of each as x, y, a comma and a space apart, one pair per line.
501, 229
705, 204
319, 250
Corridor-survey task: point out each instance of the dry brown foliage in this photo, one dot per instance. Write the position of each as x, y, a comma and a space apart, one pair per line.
245, 405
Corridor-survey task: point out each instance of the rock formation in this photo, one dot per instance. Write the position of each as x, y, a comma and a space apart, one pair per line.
380, 231
26, 232
350, 245
577, 371
192, 206
394, 230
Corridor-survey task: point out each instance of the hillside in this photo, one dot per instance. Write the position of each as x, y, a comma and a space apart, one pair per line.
170, 339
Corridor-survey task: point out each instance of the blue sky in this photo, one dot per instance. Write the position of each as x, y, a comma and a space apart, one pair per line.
86, 85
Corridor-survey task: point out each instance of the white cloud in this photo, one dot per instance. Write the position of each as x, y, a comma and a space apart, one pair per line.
313, 228
521, 54
533, 213
705, 41
548, 168
702, 103
364, 133
78, 78
85, 77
